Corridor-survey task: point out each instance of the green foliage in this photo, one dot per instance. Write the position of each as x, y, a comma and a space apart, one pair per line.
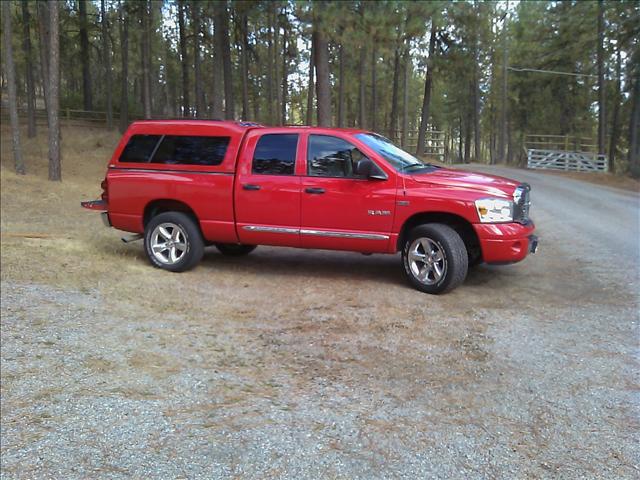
557, 36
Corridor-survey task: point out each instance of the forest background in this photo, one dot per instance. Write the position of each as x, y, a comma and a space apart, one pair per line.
482, 74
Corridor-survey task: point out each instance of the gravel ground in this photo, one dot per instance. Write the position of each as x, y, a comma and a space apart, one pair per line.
313, 364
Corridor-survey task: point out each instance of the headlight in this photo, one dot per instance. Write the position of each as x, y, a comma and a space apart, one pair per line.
494, 210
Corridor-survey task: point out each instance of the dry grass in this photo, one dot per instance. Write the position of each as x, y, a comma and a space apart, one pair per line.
47, 237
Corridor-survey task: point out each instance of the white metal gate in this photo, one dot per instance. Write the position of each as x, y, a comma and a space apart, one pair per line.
566, 160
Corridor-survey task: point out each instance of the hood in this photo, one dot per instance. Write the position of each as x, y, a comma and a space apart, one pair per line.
489, 184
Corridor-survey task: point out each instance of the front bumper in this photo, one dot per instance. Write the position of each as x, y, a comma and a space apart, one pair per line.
506, 242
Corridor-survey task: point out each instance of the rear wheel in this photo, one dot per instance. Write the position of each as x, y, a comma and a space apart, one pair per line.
172, 241
435, 258
235, 249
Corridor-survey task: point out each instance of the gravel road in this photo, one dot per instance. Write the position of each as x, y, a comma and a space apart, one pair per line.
313, 364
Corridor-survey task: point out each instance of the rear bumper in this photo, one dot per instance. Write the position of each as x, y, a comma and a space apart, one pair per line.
506, 242
100, 206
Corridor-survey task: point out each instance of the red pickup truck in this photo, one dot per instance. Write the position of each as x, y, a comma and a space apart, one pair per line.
185, 184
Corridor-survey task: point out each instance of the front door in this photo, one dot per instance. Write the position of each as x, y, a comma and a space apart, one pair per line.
340, 210
268, 190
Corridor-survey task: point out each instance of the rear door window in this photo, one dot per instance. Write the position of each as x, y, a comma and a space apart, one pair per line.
140, 148
275, 154
186, 150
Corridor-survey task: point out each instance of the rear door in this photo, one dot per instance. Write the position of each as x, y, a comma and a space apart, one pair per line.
267, 190
339, 209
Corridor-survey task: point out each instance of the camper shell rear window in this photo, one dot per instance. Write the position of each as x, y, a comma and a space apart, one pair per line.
175, 149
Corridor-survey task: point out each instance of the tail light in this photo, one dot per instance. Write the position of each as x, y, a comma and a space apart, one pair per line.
105, 191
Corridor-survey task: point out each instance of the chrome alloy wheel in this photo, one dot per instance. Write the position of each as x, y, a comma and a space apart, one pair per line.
427, 261
168, 243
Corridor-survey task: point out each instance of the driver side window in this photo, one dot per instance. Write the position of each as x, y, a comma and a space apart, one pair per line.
329, 156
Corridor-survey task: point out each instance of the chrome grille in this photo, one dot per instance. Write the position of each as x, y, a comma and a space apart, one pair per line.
522, 201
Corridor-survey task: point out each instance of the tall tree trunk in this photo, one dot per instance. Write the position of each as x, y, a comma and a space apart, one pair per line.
460, 142
285, 74
426, 100
43, 34
10, 72
476, 87
269, 69
245, 65
312, 86
200, 103
362, 93
146, 11
254, 81
502, 140
229, 103
510, 145
124, 55
615, 121
374, 91
467, 137
106, 59
28, 56
53, 111
323, 87
492, 108
218, 63
476, 118
256, 104
273, 61
170, 86
341, 111
87, 99
602, 118
405, 93
634, 119
184, 61
362, 73
393, 121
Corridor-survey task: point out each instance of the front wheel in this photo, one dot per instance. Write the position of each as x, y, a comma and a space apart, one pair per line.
172, 241
435, 258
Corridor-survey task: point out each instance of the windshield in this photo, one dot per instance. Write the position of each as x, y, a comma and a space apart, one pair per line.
398, 158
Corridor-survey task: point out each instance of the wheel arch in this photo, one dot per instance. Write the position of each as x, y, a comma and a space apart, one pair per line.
459, 224
162, 205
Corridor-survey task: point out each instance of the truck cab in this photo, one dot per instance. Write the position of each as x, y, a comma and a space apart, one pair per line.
184, 184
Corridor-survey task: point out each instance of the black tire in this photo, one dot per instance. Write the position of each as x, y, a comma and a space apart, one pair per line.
193, 242
234, 249
447, 247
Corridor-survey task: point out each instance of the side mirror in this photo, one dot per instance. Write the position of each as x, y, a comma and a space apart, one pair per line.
366, 168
